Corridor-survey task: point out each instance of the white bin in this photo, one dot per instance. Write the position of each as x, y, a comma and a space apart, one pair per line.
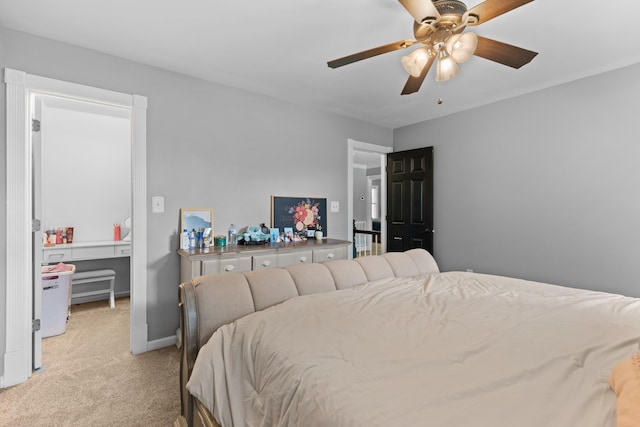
56, 301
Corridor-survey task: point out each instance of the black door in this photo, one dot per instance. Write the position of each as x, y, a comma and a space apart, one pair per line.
410, 200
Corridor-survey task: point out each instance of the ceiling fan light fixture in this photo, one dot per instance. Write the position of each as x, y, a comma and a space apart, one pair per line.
415, 61
439, 30
447, 67
462, 46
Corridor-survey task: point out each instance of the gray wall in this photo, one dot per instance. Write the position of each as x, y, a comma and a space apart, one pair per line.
543, 186
208, 146
360, 190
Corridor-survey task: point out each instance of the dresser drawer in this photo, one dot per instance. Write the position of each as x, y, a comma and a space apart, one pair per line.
226, 265
291, 258
260, 262
322, 255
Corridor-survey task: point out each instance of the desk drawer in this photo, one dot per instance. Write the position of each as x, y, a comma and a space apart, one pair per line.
123, 250
93, 252
54, 256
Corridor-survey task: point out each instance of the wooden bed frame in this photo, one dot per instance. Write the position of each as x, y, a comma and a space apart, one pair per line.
208, 302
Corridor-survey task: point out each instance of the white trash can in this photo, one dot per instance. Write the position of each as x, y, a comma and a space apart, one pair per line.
56, 301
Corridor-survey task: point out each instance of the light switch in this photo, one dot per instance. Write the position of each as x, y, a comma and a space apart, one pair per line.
335, 206
157, 204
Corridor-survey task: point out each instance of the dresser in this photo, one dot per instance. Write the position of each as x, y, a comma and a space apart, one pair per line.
241, 258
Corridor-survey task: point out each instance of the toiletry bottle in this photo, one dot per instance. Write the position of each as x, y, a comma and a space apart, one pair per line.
184, 240
116, 232
59, 236
233, 235
192, 239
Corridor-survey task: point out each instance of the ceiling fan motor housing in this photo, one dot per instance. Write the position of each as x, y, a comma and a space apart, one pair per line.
453, 20
450, 10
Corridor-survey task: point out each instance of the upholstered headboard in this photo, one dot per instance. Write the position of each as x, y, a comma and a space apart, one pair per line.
208, 302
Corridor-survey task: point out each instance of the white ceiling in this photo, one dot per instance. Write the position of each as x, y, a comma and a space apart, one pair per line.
280, 48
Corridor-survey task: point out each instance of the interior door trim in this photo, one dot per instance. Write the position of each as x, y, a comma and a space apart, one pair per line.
353, 145
18, 304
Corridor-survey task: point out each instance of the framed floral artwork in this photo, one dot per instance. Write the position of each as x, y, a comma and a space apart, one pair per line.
302, 214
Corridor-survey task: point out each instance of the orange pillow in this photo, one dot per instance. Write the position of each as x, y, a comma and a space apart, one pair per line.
625, 382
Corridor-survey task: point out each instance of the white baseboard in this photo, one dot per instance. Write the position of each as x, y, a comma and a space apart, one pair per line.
161, 343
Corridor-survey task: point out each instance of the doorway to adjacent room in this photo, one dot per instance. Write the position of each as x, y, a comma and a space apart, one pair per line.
81, 189
19, 322
367, 169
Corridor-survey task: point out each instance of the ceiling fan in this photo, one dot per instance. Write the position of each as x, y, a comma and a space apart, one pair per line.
439, 27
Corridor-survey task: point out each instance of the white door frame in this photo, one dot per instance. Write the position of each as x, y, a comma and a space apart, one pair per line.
18, 304
353, 145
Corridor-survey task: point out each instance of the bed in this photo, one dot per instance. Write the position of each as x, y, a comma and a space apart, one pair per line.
389, 340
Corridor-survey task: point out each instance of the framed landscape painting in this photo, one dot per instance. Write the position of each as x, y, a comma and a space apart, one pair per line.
196, 218
302, 214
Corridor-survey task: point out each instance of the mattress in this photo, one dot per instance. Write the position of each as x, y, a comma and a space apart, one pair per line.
449, 349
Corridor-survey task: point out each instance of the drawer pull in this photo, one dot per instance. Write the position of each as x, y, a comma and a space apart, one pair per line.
330, 256
266, 263
302, 259
228, 268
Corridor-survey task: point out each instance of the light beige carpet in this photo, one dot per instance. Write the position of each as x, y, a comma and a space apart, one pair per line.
90, 378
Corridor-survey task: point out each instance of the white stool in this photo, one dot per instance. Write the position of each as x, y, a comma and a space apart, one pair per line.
95, 276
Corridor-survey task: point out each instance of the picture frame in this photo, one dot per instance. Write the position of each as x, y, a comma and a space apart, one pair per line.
274, 234
288, 234
302, 214
196, 218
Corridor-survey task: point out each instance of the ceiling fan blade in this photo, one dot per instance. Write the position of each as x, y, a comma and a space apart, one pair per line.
370, 53
503, 53
490, 9
413, 83
421, 10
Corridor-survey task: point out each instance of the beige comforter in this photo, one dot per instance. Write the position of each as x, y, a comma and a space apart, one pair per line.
446, 350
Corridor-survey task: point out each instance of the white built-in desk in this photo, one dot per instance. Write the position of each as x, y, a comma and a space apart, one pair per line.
83, 282
81, 251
